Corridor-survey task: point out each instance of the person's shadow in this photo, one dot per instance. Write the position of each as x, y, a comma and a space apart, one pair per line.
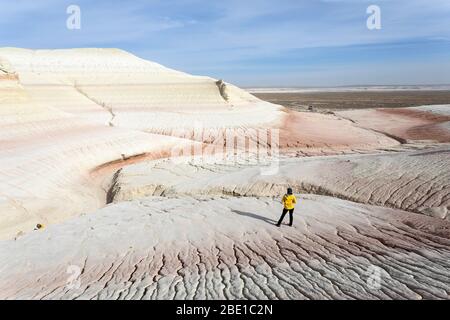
255, 216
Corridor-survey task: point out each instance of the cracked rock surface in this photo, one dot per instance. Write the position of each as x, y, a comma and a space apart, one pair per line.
87, 141
193, 248
414, 180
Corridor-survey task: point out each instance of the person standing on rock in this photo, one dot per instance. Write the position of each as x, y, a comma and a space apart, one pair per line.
289, 201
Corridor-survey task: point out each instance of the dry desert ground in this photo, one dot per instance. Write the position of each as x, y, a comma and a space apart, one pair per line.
155, 184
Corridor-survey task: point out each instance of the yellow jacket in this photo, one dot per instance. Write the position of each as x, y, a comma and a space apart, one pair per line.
289, 201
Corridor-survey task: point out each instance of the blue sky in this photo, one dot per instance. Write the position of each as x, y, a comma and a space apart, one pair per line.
253, 42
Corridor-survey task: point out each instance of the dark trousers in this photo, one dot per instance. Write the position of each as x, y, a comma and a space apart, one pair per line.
291, 216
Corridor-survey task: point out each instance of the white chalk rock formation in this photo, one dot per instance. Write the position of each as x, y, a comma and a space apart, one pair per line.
430, 123
228, 248
417, 181
111, 86
85, 127
64, 113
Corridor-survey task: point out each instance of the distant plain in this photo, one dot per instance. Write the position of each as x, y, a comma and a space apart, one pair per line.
325, 101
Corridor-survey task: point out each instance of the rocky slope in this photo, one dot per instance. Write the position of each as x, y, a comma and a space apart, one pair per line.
403, 178
64, 113
90, 143
228, 248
